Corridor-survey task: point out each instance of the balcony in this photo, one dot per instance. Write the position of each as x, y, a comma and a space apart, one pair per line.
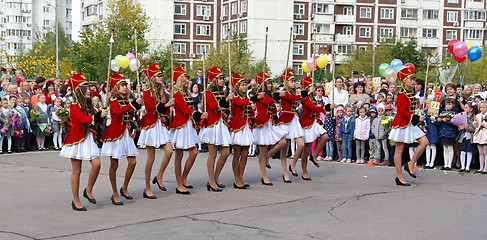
474, 5
324, 37
345, 19
341, 38
346, 2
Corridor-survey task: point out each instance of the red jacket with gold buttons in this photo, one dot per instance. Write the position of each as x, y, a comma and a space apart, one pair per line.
265, 110
121, 115
213, 107
289, 104
406, 105
77, 134
242, 112
182, 110
151, 114
310, 110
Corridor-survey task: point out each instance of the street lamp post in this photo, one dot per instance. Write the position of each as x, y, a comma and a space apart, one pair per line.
57, 38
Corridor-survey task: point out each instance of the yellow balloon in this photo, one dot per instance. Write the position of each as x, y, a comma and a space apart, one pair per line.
123, 62
469, 45
322, 62
305, 67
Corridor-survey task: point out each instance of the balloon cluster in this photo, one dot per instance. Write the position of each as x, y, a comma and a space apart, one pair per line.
462, 50
314, 63
389, 71
128, 60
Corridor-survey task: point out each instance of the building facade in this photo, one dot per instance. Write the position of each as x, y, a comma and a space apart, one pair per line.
337, 26
21, 20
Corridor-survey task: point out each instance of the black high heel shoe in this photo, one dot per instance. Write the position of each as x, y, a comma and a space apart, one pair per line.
399, 183
116, 203
286, 181
154, 181
82, 209
291, 170
144, 194
182, 192
247, 185
406, 168
91, 200
189, 186
238, 187
128, 197
268, 166
265, 183
209, 188
221, 185
306, 178
312, 159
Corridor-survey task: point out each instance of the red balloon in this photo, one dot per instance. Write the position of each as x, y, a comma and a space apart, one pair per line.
411, 66
459, 60
451, 43
316, 62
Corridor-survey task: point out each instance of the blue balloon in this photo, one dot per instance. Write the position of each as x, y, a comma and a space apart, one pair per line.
474, 53
396, 63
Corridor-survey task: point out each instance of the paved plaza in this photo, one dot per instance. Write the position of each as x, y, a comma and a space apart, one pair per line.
344, 201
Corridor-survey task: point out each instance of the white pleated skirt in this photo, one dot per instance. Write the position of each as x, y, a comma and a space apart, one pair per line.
293, 129
243, 137
123, 147
155, 136
406, 135
218, 134
85, 150
268, 134
185, 137
314, 132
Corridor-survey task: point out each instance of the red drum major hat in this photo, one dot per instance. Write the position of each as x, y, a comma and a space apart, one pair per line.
178, 72
214, 73
262, 77
306, 82
404, 73
287, 75
115, 79
77, 80
152, 71
236, 77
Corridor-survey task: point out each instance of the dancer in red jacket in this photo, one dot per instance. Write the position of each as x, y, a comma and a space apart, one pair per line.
184, 134
153, 127
79, 145
404, 129
312, 130
265, 131
216, 131
117, 141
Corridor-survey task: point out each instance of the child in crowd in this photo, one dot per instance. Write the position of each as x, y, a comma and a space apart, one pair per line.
6, 125
56, 128
480, 136
381, 135
43, 122
347, 129
329, 125
465, 137
433, 136
372, 148
338, 122
19, 142
95, 100
361, 134
447, 132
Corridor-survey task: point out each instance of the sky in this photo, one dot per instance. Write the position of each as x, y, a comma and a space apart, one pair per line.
76, 5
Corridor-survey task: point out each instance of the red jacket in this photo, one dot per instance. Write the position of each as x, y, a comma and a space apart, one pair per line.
121, 114
242, 112
77, 134
182, 110
289, 104
213, 107
310, 110
406, 105
265, 109
151, 114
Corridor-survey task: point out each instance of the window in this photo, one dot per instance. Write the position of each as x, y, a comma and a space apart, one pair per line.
387, 13
203, 30
243, 27
451, 16
345, 49
47, 22
475, 15
386, 32
474, 34
322, 49
180, 9
298, 9
298, 69
365, 12
452, 1
234, 27
179, 48
347, 11
321, 28
364, 32
46, 9
202, 49
234, 8
225, 11
408, 32
225, 31
298, 49
409, 13
430, 14
298, 29
347, 30
321, 8
429, 33
180, 29
243, 6
451, 34
362, 48
202, 11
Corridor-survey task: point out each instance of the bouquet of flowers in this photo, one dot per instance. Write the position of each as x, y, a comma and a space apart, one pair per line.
34, 114
446, 114
481, 127
14, 119
460, 119
63, 113
18, 133
387, 122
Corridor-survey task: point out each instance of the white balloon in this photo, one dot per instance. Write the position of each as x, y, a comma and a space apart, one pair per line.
114, 65
134, 64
